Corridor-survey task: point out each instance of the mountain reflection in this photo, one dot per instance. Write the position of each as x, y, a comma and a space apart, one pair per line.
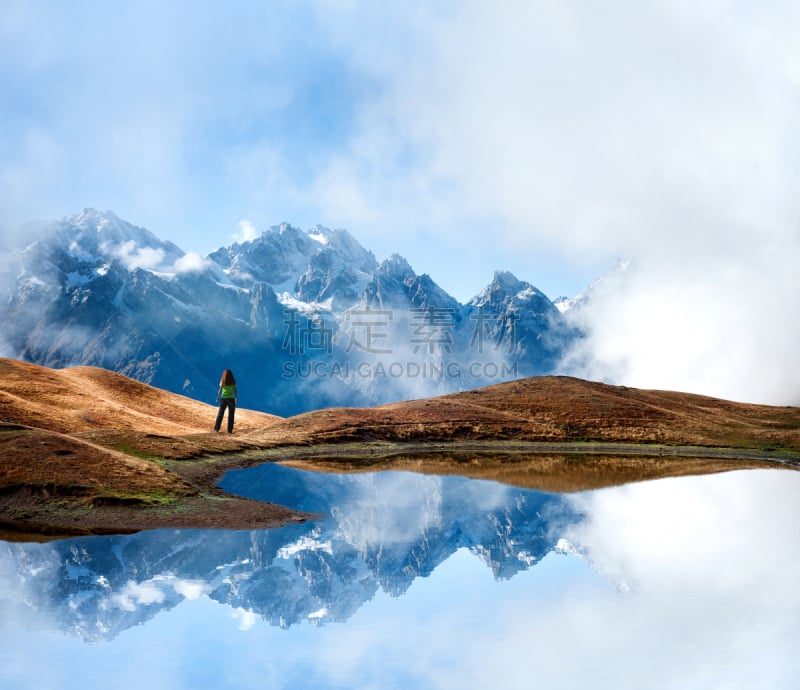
381, 531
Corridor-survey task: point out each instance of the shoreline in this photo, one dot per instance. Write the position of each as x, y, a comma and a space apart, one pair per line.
377, 455
90, 451
546, 466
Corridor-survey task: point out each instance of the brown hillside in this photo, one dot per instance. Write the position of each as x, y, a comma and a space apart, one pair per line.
553, 409
83, 399
86, 449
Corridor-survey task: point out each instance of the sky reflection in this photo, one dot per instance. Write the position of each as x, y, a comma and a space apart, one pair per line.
684, 583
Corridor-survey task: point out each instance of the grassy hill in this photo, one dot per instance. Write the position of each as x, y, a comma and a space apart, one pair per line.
88, 450
555, 409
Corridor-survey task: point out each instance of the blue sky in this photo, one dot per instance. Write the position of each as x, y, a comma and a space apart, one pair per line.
548, 139
189, 118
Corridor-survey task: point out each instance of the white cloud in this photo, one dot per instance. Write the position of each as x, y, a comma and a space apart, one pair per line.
695, 614
711, 563
246, 619
660, 132
691, 560
138, 594
134, 256
512, 136
723, 328
247, 232
191, 262
191, 589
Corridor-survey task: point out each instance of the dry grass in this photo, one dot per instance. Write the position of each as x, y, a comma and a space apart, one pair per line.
553, 409
79, 447
88, 399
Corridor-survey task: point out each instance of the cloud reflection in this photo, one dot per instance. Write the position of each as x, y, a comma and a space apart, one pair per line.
713, 564
680, 583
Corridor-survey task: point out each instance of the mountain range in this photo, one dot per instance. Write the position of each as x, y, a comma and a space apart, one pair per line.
306, 319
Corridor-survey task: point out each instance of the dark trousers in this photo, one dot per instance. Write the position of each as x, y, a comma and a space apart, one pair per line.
230, 403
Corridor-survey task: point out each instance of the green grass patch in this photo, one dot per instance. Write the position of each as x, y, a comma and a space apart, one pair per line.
135, 452
152, 499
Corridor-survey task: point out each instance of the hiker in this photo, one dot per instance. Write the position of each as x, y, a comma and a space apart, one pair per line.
227, 398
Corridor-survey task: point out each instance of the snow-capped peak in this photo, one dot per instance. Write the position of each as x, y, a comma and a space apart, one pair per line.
321, 234
101, 235
508, 282
318, 237
564, 303
398, 266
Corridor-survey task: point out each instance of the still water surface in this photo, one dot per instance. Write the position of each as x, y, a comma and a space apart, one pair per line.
413, 581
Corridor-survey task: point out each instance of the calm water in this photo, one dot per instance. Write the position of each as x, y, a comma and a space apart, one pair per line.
414, 581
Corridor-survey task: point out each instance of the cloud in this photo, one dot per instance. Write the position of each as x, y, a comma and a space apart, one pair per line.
705, 325
567, 123
191, 262
191, 589
549, 139
247, 232
133, 256
690, 562
246, 619
659, 132
138, 594
695, 613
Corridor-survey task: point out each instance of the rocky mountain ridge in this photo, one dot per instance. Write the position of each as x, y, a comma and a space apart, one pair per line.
307, 319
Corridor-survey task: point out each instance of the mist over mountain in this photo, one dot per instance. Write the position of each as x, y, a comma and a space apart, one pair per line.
306, 319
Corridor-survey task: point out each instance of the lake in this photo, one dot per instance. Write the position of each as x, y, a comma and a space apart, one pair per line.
415, 581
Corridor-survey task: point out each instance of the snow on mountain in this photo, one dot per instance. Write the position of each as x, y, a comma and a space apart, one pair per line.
564, 303
94, 236
513, 316
313, 267
306, 318
394, 284
579, 301
506, 290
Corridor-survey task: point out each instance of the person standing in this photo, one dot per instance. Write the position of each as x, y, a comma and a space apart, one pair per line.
227, 398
